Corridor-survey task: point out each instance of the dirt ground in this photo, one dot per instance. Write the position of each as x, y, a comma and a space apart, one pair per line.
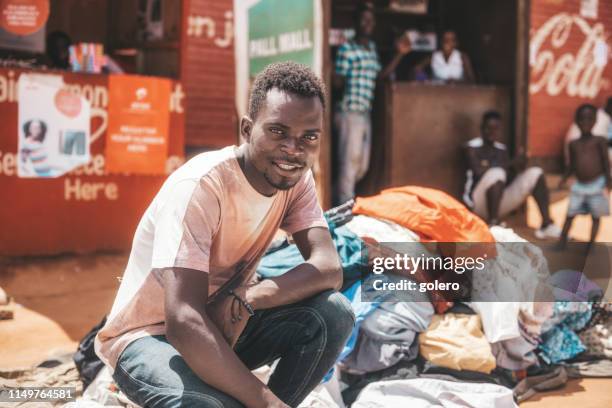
58, 299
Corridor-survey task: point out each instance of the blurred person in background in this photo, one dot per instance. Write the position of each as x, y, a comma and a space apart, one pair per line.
57, 50
590, 164
602, 127
357, 70
448, 64
491, 191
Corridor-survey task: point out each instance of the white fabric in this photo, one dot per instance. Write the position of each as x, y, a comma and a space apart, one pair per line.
428, 393
469, 175
380, 230
445, 70
479, 142
514, 195
100, 394
393, 235
499, 319
518, 270
326, 395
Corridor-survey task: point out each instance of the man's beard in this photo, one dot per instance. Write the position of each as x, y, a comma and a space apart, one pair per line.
286, 185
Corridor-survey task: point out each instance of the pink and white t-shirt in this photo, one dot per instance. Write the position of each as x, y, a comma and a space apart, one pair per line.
206, 217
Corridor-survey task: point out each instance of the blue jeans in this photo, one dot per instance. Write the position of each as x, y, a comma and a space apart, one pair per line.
307, 337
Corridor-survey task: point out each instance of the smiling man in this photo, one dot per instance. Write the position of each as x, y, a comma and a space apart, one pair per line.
189, 322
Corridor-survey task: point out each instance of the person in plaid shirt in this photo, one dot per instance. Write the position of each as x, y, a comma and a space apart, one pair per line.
357, 70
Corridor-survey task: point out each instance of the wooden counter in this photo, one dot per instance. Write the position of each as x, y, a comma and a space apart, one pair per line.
419, 130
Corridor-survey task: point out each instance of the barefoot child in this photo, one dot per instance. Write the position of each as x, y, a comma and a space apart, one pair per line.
589, 162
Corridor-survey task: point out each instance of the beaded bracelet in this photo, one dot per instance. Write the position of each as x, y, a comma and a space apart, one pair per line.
239, 301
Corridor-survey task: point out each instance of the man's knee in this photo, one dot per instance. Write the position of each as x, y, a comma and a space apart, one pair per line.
334, 312
533, 175
494, 175
534, 171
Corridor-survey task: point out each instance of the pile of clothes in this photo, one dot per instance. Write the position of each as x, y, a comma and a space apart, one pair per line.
518, 331
493, 348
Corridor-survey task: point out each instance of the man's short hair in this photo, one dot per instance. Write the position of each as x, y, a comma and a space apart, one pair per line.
490, 114
289, 77
582, 108
361, 8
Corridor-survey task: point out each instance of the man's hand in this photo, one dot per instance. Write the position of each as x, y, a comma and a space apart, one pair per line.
403, 45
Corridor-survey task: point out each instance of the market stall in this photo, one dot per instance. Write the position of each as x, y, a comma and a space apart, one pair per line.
88, 208
419, 122
83, 152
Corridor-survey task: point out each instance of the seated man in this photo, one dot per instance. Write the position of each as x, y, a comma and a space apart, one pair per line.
488, 190
189, 323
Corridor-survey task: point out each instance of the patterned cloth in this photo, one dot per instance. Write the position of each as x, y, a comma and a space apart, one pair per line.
560, 342
359, 66
597, 336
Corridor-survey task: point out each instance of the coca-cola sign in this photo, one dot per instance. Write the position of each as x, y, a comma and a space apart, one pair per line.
556, 68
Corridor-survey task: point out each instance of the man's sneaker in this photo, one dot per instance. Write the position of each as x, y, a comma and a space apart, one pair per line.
550, 231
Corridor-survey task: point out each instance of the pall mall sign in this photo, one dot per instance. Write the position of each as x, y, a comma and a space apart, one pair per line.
570, 65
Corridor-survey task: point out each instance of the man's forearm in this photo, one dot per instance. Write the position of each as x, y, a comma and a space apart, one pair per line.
301, 282
208, 354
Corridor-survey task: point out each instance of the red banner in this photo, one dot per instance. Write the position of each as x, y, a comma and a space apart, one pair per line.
87, 209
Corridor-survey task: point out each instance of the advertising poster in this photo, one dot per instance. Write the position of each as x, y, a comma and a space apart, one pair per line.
22, 24
53, 129
138, 124
569, 65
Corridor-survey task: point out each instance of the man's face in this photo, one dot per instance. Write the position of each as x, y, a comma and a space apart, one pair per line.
586, 121
491, 130
285, 137
449, 42
367, 22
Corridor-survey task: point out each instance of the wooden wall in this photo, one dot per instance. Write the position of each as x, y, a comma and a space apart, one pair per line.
207, 72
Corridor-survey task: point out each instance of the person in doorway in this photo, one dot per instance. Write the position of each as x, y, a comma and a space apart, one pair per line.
190, 322
590, 163
357, 70
57, 50
488, 189
448, 64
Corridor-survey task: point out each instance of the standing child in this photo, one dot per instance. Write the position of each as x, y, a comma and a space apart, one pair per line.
589, 162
